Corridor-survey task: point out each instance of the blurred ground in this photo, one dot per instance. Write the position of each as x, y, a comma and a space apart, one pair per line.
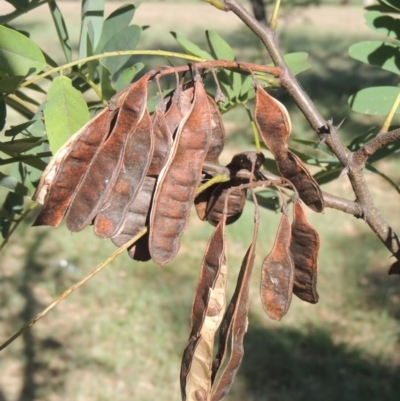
121, 336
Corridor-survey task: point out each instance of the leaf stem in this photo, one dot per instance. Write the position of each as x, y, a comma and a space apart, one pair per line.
113, 54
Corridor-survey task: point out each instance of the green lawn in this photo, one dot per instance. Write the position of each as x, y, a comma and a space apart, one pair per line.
121, 336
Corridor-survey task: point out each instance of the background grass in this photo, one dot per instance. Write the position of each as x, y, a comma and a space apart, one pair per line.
121, 336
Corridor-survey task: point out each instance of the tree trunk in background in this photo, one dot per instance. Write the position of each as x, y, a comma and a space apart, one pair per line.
259, 11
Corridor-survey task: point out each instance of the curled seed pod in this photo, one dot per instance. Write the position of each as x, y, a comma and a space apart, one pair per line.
136, 161
61, 177
234, 327
304, 246
179, 179
274, 125
210, 206
277, 274
136, 219
207, 312
104, 168
293, 169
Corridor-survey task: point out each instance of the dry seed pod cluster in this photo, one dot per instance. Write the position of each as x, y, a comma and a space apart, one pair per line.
126, 170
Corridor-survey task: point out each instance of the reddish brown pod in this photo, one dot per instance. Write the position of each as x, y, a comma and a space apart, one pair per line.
136, 161
105, 166
273, 122
304, 247
179, 179
61, 177
277, 274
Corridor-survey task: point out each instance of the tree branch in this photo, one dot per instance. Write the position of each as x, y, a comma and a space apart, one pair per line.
324, 129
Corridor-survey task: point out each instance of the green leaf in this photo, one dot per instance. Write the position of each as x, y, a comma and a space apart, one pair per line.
10, 84
376, 100
317, 145
66, 112
219, 48
190, 48
325, 176
3, 114
20, 145
93, 11
115, 22
13, 185
270, 165
126, 76
93, 65
236, 83
14, 204
380, 54
126, 39
19, 56
16, 129
106, 87
268, 199
393, 4
383, 24
247, 86
297, 62
61, 29
4, 213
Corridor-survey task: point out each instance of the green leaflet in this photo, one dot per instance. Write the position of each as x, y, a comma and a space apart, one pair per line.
115, 22
381, 54
19, 56
220, 49
126, 39
13, 185
374, 101
66, 112
190, 48
126, 76
61, 30
93, 11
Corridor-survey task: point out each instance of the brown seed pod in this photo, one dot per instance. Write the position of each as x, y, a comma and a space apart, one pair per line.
104, 168
293, 169
273, 122
207, 312
136, 219
179, 179
274, 125
277, 274
304, 246
234, 327
136, 161
61, 177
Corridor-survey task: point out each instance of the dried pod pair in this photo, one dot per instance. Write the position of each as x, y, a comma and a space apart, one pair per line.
79, 180
274, 125
291, 266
